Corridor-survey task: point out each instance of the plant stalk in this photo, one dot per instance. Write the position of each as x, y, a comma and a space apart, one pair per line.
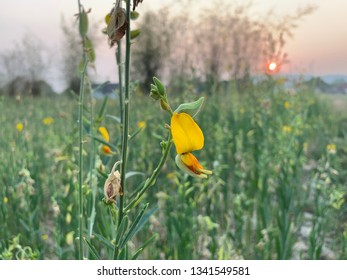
125, 123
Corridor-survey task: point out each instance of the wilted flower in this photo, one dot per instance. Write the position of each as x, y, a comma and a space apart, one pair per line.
187, 137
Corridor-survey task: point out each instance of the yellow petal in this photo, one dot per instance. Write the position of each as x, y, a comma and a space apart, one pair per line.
186, 134
104, 133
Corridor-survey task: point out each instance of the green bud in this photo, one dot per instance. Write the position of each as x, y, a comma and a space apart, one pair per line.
191, 108
161, 88
154, 93
83, 23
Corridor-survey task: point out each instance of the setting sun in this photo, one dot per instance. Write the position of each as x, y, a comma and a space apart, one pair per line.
272, 66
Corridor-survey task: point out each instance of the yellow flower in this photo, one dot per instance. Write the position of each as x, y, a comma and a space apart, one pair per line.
5, 200
141, 124
44, 236
331, 148
286, 105
242, 110
286, 129
187, 137
186, 134
48, 121
19, 126
104, 133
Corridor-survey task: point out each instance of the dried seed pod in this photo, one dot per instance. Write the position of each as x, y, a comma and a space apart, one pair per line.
116, 25
113, 185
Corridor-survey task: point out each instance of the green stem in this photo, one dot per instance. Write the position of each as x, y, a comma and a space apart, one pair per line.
80, 161
151, 180
92, 184
120, 79
125, 113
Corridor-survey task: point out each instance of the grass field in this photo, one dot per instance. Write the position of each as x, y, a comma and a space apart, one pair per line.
278, 189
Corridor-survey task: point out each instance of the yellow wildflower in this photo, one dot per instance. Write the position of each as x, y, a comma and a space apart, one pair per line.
141, 124
187, 137
44, 236
19, 126
242, 110
331, 148
48, 121
104, 133
286, 105
286, 129
5, 200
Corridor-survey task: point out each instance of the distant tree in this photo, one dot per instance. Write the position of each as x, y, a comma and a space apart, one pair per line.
152, 48
27, 61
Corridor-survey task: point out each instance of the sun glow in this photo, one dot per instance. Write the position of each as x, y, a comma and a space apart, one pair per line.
272, 66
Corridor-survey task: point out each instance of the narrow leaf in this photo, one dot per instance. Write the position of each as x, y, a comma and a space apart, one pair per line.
102, 110
114, 118
92, 249
132, 230
140, 250
121, 229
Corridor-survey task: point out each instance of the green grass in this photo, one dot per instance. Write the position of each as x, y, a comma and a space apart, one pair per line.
276, 191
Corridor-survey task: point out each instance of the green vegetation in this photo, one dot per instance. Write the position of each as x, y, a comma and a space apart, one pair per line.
277, 189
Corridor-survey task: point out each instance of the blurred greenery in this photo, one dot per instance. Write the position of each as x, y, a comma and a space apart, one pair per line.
278, 189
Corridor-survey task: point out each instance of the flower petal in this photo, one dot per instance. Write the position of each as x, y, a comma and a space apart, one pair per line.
104, 133
186, 134
190, 165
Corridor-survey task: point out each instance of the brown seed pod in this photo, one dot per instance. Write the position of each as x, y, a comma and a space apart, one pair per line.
113, 185
117, 25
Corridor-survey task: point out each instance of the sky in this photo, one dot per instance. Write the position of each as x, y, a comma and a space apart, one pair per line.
318, 47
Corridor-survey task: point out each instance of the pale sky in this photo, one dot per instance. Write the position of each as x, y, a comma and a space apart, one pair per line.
319, 45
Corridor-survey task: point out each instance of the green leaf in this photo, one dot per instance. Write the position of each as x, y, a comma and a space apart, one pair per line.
132, 136
191, 108
134, 33
140, 250
133, 173
102, 141
121, 230
92, 249
137, 224
123, 255
114, 118
134, 15
83, 23
102, 111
